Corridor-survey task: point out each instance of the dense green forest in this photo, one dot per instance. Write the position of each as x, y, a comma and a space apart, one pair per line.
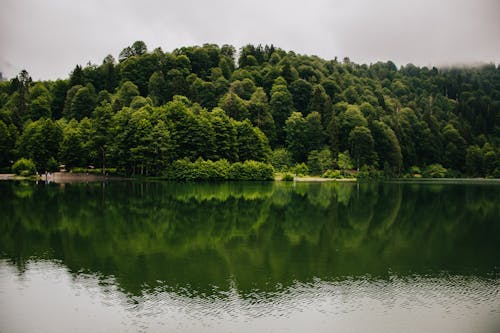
152, 110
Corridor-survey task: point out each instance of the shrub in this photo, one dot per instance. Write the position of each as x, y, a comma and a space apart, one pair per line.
24, 167
435, 171
369, 172
287, 177
415, 170
301, 169
251, 170
201, 170
332, 174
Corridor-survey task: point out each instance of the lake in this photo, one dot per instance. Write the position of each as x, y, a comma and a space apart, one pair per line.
249, 257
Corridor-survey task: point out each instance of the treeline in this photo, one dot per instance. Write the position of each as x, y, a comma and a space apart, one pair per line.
210, 103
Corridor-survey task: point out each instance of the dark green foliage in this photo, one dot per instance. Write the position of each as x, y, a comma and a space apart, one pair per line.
319, 161
83, 102
409, 117
361, 146
281, 159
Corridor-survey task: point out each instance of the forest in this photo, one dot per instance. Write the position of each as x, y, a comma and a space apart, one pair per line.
253, 110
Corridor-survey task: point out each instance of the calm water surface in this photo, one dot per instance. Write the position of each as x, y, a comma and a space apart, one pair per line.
247, 257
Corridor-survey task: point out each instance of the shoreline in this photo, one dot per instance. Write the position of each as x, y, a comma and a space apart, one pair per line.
69, 177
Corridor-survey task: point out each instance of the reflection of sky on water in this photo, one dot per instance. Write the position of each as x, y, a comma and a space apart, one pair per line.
46, 298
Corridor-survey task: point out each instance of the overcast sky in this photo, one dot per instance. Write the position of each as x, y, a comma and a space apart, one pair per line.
48, 38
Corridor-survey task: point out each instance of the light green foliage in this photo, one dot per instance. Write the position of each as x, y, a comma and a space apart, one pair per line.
24, 167
301, 169
40, 105
201, 170
335, 174
435, 171
40, 141
344, 161
140, 102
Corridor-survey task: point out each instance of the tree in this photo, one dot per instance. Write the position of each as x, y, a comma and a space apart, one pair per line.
21, 84
320, 102
301, 91
281, 159
71, 151
252, 144
361, 146
454, 156
314, 136
225, 136
260, 114
83, 103
126, 93
348, 120
295, 129
40, 102
387, 147
162, 148
244, 88
101, 136
234, 106
58, 94
474, 161
203, 92
40, 141
157, 88
281, 108
319, 161
8, 137
76, 77
139, 48
344, 161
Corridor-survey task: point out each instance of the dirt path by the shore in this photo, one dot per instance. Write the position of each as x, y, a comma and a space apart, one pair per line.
62, 177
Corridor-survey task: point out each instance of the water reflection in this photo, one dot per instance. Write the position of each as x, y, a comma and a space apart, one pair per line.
259, 236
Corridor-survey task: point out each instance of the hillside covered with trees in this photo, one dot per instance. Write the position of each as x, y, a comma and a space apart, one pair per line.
152, 111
